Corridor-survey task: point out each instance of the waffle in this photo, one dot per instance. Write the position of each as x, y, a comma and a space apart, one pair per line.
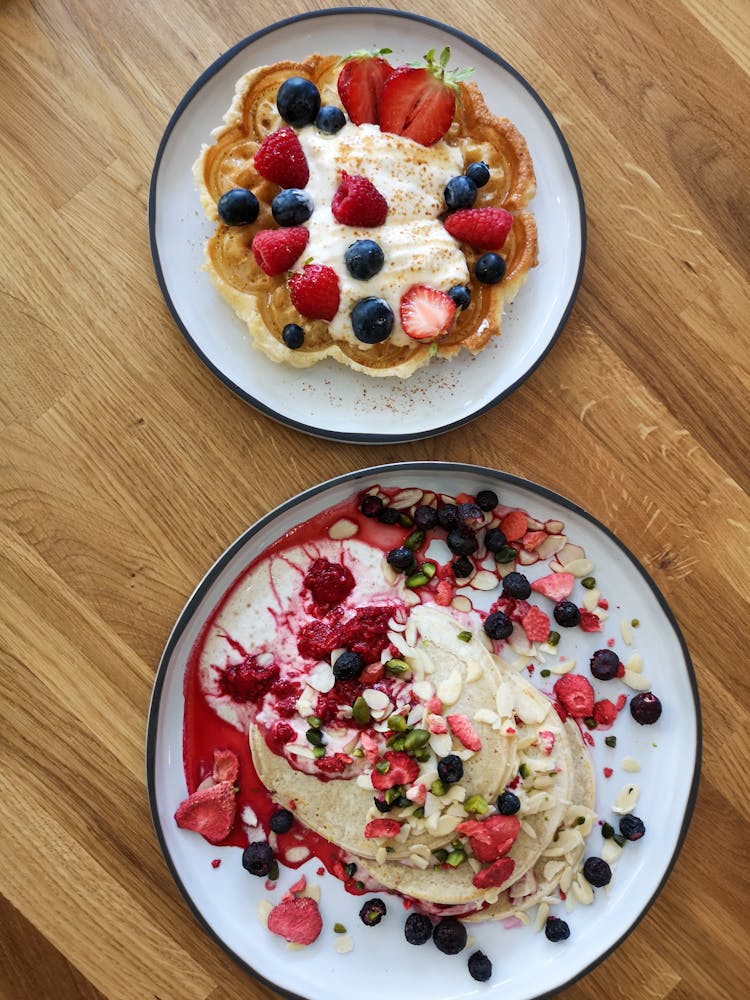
263, 301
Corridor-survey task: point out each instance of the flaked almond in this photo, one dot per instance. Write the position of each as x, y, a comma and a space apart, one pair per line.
343, 528
528, 558
419, 862
381, 855
564, 667
484, 580
635, 663
551, 545
343, 943
570, 553
591, 599
485, 715
552, 869
583, 891
321, 677
263, 909
424, 690
529, 710
377, 700
390, 575
474, 670
627, 800
636, 681
536, 803
630, 764
461, 602
610, 852
364, 781
541, 916
578, 567
625, 632
297, 854
441, 744
406, 498
553, 527
449, 690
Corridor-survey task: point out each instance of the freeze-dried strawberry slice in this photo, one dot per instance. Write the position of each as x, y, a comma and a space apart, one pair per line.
546, 741
402, 770
226, 766
464, 731
589, 621
281, 159
515, 525
382, 828
297, 920
536, 625
495, 875
444, 593
556, 586
605, 712
490, 838
533, 538
209, 811
576, 695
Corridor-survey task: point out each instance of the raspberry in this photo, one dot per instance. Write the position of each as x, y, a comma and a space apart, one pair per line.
482, 228
367, 633
248, 680
283, 733
277, 250
358, 202
315, 292
576, 695
318, 639
335, 764
329, 583
605, 712
281, 159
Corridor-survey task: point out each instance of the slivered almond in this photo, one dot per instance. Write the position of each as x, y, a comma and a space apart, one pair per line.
484, 580
343, 528
591, 599
551, 545
541, 916
461, 602
449, 690
263, 909
406, 498
553, 527
636, 681
627, 635
343, 943
630, 764
627, 800
562, 668
635, 663
583, 891
578, 567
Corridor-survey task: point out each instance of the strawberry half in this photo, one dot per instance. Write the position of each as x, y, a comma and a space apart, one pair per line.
419, 101
358, 202
426, 312
576, 695
360, 84
280, 158
315, 291
209, 811
481, 228
277, 250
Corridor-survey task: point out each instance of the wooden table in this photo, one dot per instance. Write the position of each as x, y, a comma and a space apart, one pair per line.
127, 468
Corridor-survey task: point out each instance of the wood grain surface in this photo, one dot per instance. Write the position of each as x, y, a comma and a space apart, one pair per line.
127, 467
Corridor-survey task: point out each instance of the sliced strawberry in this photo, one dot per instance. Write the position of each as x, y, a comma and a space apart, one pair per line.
515, 525
419, 102
360, 84
444, 593
481, 228
297, 920
226, 766
417, 794
315, 291
536, 625
426, 312
402, 770
464, 731
532, 539
277, 250
576, 695
357, 202
589, 621
496, 875
490, 838
437, 724
209, 811
556, 586
382, 828
281, 159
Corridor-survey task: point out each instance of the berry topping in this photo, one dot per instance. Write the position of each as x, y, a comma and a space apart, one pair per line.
536, 625
462, 542
487, 500
605, 712
576, 695
372, 912
315, 291
281, 821
461, 295
401, 558
490, 269
382, 828
494, 540
460, 192
481, 228
329, 583
632, 828
330, 119
449, 936
238, 207
495, 875
425, 518
447, 515
418, 928
556, 929
348, 666
450, 769
372, 320
566, 614
292, 207
597, 872
645, 708
426, 312
370, 505
491, 838
604, 664
318, 639
281, 159
508, 804
480, 967
277, 250
589, 621
464, 732
298, 101
209, 811
293, 336
360, 85
364, 259
516, 585
358, 202
226, 766
556, 586
248, 680
515, 525
418, 101
257, 858
297, 919
479, 172
401, 770
497, 625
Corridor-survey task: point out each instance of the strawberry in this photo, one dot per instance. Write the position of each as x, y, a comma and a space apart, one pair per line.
360, 84
315, 291
481, 228
605, 712
226, 766
464, 731
426, 313
276, 250
589, 621
281, 159
515, 525
536, 625
382, 828
358, 202
444, 593
495, 875
532, 539
576, 695
209, 811
297, 920
402, 770
490, 838
556, 586
419, 101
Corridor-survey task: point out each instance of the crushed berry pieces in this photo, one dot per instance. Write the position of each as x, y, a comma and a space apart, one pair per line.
248, 680
329, 583
418, 928
318, 639
372, 912
449, 936
367, 633
556, 929
480, 967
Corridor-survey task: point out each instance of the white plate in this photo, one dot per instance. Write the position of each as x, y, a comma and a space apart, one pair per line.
330, 400
526, 965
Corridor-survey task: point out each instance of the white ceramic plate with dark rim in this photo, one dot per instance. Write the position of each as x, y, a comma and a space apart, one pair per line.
525, 964
330, 400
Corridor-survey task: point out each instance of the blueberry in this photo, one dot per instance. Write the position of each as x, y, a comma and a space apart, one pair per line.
645, 708
372, 912
330, 119
604, 664
490, 268
461, 295
498, 625
370, 505
556, 929
480, 967
388, 515
449, 936
238, 207
372, 320
363, 259
597, 872
257, 858
292, 207
463, 567
517, 586
348, 666
487, 499
631, 827
446, 515
494, 540
401, 559
298, 101
425, 518
418, 928
293, 336
450, 769
462, 543
508, 804
460, 192
566, 614
469, 515
479, 172
281, 821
